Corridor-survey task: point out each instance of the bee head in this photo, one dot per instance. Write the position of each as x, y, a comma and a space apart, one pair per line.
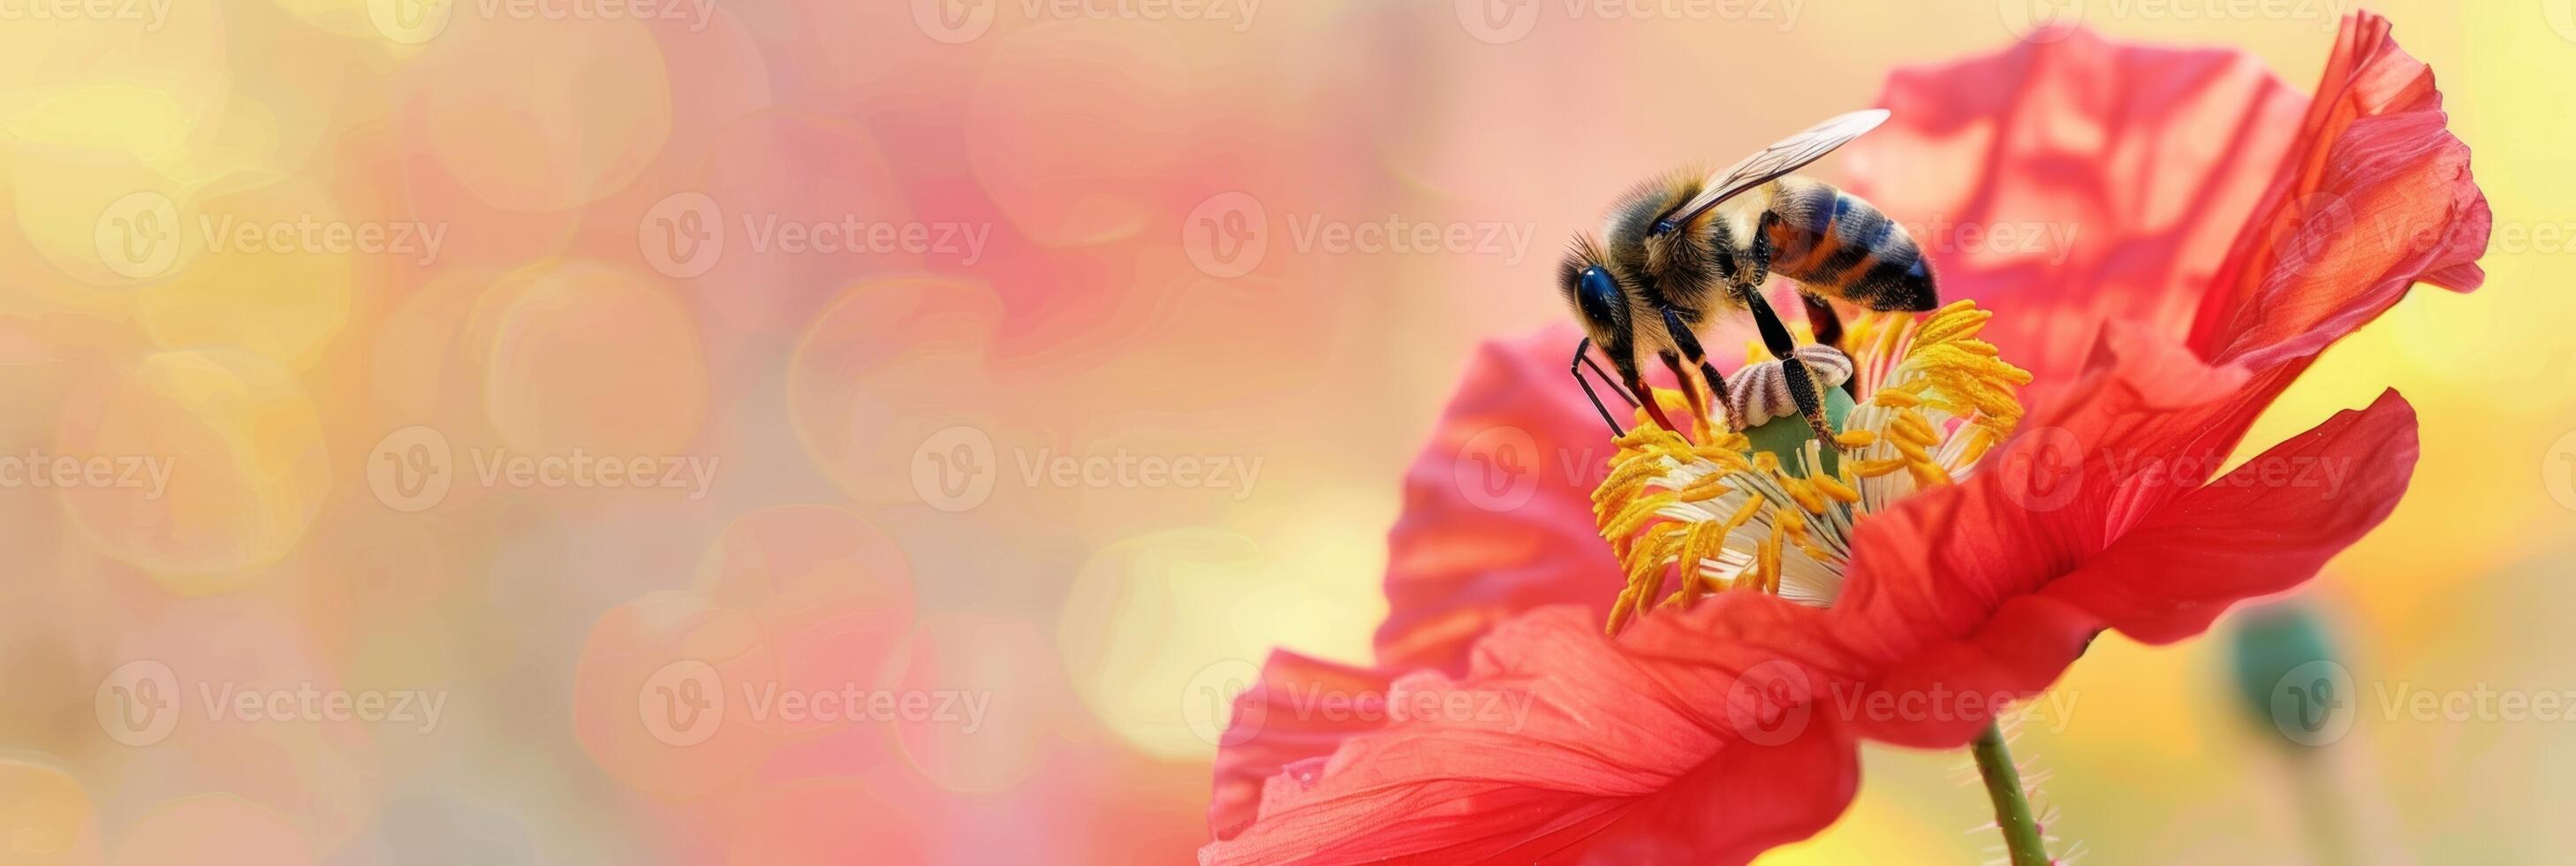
1594, 292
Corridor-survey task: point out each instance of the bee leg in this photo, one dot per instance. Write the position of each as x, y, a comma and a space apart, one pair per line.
1626, 363
1828, 326
1822, 319
1689, 344
1582, 360
1793, 372
1673, 362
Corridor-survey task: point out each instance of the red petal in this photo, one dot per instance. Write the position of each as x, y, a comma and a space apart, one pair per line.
2132, 166
1558, 745
1268, 732
2375, 196
2265, 527
1935, 585
1498, 507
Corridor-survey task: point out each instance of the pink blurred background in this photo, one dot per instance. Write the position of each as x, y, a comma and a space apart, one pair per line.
804, 432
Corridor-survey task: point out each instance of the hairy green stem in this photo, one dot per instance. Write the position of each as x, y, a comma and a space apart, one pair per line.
2012, 807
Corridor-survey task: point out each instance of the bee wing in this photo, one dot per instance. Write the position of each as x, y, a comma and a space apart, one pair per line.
1786, 156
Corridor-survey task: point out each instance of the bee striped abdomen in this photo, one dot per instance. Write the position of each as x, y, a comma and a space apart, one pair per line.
1837, 245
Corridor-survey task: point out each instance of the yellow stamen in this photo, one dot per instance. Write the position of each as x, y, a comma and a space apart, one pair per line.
1938, 399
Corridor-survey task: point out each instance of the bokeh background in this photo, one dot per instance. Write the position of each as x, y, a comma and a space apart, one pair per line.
560, 378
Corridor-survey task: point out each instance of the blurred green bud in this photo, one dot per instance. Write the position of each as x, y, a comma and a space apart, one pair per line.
2287, 678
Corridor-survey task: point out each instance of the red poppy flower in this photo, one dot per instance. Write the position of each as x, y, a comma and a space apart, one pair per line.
2225, 232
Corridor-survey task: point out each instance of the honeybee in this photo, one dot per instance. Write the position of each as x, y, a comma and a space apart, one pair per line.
1684, 249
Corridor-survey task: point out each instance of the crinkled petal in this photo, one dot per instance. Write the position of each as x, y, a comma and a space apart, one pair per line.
1280, 721
1498, 507
2374, 197
1561, 745
1937, 586
2076, 182
2263, 528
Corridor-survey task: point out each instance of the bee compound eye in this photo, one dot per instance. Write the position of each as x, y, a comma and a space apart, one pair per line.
1600, 296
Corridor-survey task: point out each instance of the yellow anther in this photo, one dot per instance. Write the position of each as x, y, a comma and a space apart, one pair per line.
1743, 514
1835, 490
1876, 468
1911, 425
1804, 493
1710, 486
1913, 452
1933, 387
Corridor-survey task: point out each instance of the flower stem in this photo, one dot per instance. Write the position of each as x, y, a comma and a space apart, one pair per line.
2012, 807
